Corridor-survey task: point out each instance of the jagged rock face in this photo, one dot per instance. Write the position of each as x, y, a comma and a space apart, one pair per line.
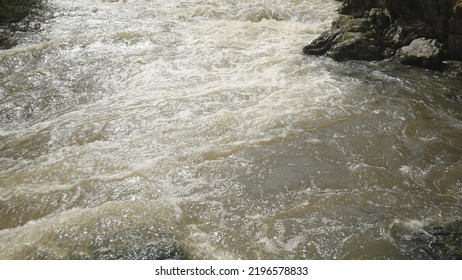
435, 13
402, 33
374, 29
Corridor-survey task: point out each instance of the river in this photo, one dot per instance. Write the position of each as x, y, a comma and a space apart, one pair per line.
198, 129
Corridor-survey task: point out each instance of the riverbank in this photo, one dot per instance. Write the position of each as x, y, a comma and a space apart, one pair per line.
408, 31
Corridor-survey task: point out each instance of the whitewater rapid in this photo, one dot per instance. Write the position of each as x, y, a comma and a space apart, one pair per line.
198, 129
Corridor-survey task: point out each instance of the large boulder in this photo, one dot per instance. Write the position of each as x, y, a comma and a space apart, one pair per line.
422, 52
350, 39
355, 46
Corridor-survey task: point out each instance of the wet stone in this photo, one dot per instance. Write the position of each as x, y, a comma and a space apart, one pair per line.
422, 52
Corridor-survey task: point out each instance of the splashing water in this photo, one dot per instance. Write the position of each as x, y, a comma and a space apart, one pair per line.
197, 129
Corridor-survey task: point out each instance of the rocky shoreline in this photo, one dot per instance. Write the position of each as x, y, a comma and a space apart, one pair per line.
423, 33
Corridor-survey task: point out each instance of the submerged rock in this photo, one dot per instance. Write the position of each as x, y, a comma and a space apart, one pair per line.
454, 68
437, 242
147, 252
137, 243
6, 38
422, 52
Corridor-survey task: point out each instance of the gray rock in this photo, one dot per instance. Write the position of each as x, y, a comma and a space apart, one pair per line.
379, 17
341, 45
350, 38
356, 46
402, 33
351, 24
323, 43
422, 52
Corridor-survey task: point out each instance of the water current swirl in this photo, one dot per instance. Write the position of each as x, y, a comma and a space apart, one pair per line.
197, 129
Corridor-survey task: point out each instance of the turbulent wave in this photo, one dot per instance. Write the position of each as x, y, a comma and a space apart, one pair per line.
197, 129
